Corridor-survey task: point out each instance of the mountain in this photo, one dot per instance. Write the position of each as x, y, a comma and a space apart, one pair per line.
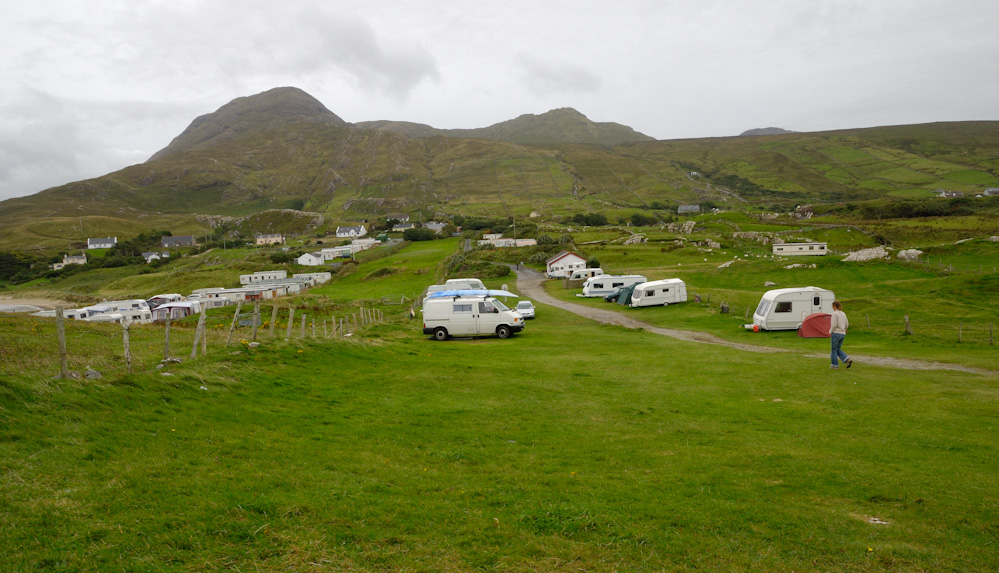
282, 152
564, 125
273, 109
765, 131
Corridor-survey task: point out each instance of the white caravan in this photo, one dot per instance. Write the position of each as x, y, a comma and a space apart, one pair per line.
457, 284
585, 274
786, 308
659, 293
605, 284
459, 314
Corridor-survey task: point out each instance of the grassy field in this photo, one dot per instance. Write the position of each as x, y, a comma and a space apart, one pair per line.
391, 451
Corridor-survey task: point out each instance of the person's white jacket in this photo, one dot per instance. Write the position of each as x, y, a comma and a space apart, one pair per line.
838, 322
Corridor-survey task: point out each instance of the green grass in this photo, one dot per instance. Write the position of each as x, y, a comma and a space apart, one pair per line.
393, 452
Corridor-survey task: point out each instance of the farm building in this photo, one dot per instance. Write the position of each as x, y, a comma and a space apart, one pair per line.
178, 241
795, 249
562, 264
991, 192
688, 209
151, 256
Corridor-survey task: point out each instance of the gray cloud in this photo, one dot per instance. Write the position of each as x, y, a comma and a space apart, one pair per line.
546, 78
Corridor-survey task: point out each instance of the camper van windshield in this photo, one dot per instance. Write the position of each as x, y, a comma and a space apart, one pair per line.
500, 305
763, 308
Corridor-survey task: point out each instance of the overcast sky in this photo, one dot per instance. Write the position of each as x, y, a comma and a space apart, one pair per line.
91, 87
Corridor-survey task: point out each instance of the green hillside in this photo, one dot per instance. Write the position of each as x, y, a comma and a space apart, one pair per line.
284, 150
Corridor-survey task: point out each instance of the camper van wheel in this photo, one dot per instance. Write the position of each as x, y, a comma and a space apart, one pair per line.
503, 331
440, 333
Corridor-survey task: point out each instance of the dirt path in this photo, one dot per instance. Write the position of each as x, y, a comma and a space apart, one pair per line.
529, 283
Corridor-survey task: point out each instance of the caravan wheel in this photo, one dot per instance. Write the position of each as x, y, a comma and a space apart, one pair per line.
666, 303
440, 333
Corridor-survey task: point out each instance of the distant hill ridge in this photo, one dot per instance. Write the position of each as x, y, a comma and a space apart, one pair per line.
765, 131
563, 125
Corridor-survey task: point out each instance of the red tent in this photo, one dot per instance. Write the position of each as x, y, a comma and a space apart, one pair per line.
815, 326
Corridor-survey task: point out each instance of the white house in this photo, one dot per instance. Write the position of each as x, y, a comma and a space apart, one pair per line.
350, 232
403, 227
178, 241
102, 243
796, 249
311, 259
269, 239
401, 217
491, 236
562, 264
991, 192
686, 209
434, 226
70, 260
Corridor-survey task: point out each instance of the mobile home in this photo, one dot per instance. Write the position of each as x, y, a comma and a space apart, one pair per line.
462, 313
659, 293
786, 308
601, 285
798, 249
585, 274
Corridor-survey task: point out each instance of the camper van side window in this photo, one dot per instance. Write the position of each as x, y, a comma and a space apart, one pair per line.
486, 307
463, 308
783, 306
816, 301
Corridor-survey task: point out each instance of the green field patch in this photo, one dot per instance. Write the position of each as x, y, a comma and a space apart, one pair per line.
971, 177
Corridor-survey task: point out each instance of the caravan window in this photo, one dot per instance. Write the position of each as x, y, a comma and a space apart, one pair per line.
816, 301
665, 290
783, 306
763, 308
616, 285
650, 292
598, 285
462, 308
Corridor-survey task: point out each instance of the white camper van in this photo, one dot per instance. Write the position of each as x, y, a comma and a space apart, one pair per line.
457, 284
605, 284
659, 293
460, 314
786, 308
580, 274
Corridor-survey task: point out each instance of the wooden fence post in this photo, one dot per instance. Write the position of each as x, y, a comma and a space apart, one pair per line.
256, 319
326, 333
960, 327
204, 338
291, 321
313, 321
908, 327
301, 330
273, 318
197, 334
868, 321
128, 350
341, 327
166, 338
235, 319
61, 335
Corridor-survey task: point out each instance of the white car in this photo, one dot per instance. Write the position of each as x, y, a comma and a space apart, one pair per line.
525, 308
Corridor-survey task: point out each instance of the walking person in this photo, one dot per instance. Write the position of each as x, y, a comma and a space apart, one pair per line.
838, 324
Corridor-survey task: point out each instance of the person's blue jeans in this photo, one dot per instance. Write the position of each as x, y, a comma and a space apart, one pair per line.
837, 348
